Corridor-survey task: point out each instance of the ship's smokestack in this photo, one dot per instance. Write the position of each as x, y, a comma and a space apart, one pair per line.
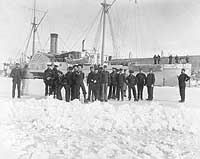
53, 43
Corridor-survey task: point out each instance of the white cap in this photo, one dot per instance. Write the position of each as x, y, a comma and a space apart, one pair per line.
56, 64
49, 63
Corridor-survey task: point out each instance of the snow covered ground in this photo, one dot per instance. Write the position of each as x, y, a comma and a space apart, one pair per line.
44, 128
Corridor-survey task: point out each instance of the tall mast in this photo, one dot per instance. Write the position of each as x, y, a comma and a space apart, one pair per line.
34, 28
105, 10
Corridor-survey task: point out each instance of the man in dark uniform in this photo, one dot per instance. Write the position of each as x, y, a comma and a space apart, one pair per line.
57, 81
120, 84
176, 59
187, 59
181, 81
67, 82
82, 86
150, 81
113, 84
16, 75
90, 83
104, 82
97, 84
47, 78
170, 59
131, 81
141, 81
73, 89
155, 59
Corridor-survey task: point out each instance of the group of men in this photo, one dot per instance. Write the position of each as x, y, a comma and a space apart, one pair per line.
102, 85
72, 81
99, 80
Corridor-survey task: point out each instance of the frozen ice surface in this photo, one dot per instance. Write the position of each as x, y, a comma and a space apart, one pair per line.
49, 129
32, 128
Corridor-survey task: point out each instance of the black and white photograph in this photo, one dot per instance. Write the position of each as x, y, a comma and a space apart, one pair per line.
99, 79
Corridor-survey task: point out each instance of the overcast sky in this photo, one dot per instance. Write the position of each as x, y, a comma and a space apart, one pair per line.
144, 28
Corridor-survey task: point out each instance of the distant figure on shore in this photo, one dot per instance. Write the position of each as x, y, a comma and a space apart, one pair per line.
16, 74
181, 81
155, 59
187, 59
158, 59
170, 59
176, 59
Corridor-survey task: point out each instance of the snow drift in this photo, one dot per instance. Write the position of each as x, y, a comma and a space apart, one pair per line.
52, 129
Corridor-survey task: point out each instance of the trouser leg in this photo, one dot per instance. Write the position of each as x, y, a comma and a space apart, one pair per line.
148, 91
67, 93
46, 89
141, 92
122, 93
77, 92
102, 92
138, 91
58, 92
134, 93
89, 91
54, 89
105, 92
114, 91
19, 89
13, 89
129, 93
73, 90
118, 92
93, 91
50, 89
124, 89
97, 92
83, 90
110, 94
151, 93
182, 93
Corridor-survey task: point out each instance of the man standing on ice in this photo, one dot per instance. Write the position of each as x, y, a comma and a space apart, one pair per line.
67, 82
96, 84
113, 84
104, 82
57, 81
90, 83
182, 78
47, 78
78, 79
150, 84
16, 74
141, 81
131, 81
120, 84
73, 89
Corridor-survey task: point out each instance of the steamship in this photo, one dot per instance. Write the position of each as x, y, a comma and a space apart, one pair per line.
39, 60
